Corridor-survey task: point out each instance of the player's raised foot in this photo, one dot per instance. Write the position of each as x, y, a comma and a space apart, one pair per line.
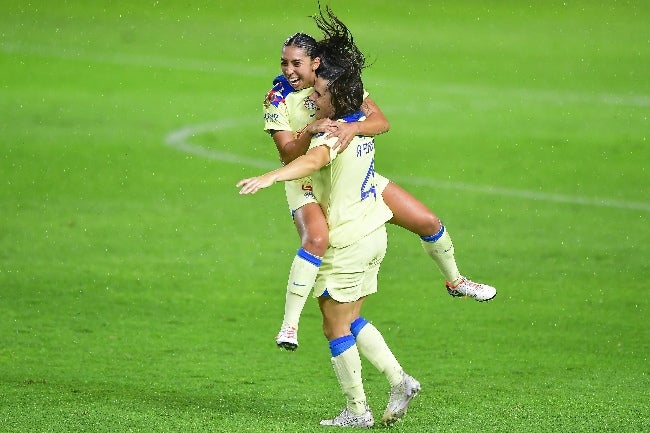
478, 291
287, 338
348, 419
399, 398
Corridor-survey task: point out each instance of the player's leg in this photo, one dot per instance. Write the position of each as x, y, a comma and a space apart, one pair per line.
413, 215
371, 344
373, 347
312, 229
403, 387
346, 362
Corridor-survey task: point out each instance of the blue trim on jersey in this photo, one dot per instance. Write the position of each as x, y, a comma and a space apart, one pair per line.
305, 255
285, 86
341, 344
435, 237
353, 117
281, 89
357, 326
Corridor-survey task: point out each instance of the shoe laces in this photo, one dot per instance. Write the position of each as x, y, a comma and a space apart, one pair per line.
288, 331
473, 286
468, 286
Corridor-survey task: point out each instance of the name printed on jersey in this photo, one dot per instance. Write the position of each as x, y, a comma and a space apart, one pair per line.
365, 148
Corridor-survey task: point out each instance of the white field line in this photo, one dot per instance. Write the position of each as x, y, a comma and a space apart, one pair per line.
181, 140
549, 96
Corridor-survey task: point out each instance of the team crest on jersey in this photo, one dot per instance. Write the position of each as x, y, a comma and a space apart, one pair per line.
309, 104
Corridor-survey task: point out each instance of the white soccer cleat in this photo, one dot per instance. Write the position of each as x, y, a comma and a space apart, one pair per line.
287, 338
399, 398
478, 291
348, 419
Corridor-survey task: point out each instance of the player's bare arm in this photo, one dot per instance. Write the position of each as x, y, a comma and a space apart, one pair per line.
300, 167
376, 123
290, 147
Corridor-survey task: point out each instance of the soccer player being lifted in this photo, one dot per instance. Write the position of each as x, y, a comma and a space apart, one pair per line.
289, 119
345, 186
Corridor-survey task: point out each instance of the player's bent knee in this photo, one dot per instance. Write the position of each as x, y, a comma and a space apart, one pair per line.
431, 224
425, 225
315, 244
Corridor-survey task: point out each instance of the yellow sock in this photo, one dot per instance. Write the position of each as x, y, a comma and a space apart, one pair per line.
441, 249
301, 280
374, 348
347, 367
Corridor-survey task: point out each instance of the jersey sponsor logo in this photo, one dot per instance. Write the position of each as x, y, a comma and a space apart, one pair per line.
270, 117
307, 188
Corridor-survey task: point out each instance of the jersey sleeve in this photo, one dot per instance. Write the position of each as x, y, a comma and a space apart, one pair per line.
323, 140
276, 116
276, 113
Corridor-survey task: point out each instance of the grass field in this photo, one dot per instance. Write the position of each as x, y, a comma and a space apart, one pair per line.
140, 293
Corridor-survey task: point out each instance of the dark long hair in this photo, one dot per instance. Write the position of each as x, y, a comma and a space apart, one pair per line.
341, 63
304, 41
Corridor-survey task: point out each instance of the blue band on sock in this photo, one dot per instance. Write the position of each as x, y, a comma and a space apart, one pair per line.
341, 344
358, 325
305, 255
435, 237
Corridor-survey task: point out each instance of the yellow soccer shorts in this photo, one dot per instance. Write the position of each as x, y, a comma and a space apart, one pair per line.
299, 193
381, 182
350, 273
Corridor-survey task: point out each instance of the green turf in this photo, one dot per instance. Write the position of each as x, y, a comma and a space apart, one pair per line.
140, 293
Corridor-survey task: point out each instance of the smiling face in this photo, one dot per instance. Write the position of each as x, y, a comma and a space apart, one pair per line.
322, 98
298, 67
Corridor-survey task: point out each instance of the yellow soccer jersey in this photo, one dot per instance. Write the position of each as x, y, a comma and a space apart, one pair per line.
347, 191
287, 109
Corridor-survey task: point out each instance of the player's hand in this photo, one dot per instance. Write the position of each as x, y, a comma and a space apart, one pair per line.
253, 184
345, 133
321, 125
